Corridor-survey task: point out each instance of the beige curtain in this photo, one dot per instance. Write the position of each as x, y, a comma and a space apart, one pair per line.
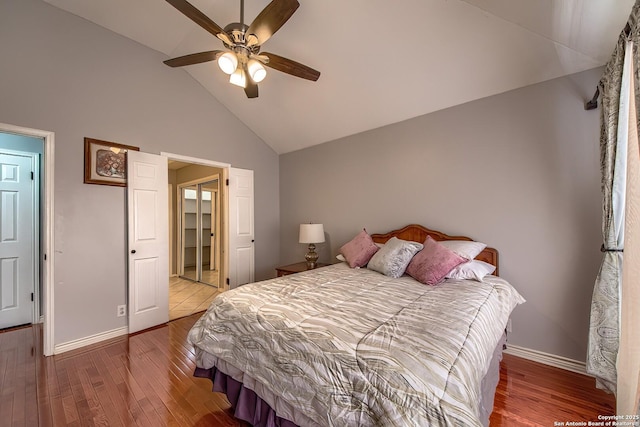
614, 336
604, 329
628, 363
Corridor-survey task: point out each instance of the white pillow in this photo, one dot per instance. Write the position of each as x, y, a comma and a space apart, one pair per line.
465, 248
473, 270
340, 257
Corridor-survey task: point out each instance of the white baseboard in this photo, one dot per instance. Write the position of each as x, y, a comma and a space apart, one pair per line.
92, 339
547, 359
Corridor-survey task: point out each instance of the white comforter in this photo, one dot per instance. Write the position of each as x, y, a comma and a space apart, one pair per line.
353, 347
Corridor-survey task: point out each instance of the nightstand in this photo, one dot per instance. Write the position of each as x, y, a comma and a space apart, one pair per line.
296, 268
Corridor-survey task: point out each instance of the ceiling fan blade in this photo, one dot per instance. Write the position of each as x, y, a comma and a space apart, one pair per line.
291, 67
196, 16
252, 89
194, 58
270, 20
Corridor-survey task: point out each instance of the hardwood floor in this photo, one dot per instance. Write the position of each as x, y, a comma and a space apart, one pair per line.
146, 380
18, 403
533, 394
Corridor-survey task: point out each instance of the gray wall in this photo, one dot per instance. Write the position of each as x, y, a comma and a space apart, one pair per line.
64, 74
519, 171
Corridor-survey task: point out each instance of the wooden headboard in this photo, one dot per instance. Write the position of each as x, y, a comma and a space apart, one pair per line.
418, 233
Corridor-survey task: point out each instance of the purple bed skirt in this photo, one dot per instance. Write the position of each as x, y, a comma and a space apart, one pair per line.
247, 406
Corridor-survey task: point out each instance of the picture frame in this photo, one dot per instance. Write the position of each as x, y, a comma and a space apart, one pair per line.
105, 162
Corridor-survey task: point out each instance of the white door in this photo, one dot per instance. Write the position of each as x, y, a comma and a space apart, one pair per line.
17, 239
148, 240
241, 235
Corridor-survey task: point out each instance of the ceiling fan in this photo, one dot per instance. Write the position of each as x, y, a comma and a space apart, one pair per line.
242, 60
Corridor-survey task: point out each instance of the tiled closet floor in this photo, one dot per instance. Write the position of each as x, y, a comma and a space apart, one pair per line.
187, 297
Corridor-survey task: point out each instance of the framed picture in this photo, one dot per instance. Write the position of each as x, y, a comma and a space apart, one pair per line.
105, 162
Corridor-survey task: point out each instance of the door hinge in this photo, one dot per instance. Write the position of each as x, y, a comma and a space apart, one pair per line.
31, 176
31, 296
228, 282
227, 182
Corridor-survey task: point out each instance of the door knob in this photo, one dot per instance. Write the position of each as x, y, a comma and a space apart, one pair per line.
133, 251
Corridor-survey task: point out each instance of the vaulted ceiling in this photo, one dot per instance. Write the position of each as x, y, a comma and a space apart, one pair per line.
381, 61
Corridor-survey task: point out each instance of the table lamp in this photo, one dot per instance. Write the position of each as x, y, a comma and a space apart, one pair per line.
311, 234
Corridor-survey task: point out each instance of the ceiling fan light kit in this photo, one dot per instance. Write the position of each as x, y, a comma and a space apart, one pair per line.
256, 70
242, 59
228, 62
238, 78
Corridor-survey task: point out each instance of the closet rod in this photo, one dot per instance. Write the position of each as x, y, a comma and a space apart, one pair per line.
592, 104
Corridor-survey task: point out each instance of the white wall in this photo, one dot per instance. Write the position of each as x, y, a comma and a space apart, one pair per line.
519, 171
64, 74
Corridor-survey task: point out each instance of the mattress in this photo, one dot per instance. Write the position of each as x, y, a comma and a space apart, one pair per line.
341, 346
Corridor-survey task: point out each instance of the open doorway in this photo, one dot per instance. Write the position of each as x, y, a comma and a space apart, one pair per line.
197, 241
20, 216
43, 252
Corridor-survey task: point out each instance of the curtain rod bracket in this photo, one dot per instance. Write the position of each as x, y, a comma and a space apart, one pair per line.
592, 104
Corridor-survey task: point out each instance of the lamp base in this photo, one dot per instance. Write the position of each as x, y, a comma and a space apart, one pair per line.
311, 257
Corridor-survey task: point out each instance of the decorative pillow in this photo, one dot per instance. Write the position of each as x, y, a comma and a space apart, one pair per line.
465, 248
473, 270
433, 263
359, 250
392, 259
341, 257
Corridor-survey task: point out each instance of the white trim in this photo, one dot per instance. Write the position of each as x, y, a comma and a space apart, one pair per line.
547, 359
92, 339
195, 160
48, 244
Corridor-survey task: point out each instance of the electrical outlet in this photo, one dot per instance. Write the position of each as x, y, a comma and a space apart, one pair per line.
122, 310
509, 329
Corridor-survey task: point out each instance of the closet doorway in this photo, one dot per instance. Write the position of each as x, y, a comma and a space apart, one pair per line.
197, 198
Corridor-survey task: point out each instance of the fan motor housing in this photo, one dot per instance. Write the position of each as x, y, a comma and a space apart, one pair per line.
237, 31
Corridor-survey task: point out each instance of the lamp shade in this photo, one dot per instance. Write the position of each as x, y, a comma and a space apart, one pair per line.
228, 62
311, 233
256, 71
238, 78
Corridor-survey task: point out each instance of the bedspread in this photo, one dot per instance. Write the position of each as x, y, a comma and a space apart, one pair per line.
354, 347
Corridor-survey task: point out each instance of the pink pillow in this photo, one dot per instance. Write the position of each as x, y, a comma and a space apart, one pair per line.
359, 250
433, 263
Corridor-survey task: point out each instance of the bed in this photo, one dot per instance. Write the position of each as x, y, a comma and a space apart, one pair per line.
341, 346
